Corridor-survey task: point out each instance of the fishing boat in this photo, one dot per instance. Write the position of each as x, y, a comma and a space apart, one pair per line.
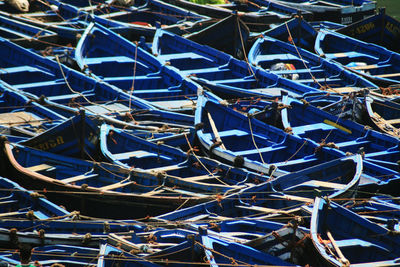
25, 34
55, 254
95, 188
342, 11
310, 122
230, 35
342, 237
296, 31
220, 253
380, 29
304, 67
75, 137
21, 203
366, 59
255, 17
247, 142
384, 115
379, 209
188, 174
74, 223
279, 199
70, 18
11, 238
20, 117
112, 255
66, 91
119, 62
219, 72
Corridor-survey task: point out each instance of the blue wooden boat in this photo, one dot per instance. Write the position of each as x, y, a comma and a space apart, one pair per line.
139, 20
11, 238
221, 253
21, 117
296, 31
379, 209
304, 67
117, 61
113, 255
18, 202
342, 237
25, 34
257, 19
342, 11
141, 17
247, 142
79, 136
51, 15
301, 118
281, 198
380, 29
75, 137
229, 35
74, 223
52, 254
170, 168
284, 241
310, 122
65, 90
366, 59
384, 115
95, 188
219, 72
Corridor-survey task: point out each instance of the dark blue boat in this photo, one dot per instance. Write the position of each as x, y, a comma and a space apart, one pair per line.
55, 254
95, 188
65, 90
117, 61
75, 137
366, 59
342, 237
380, 29
310, 122
19, 116
304, 67
171, 169
229, 35
250, 143
221, 253
219, 72
255, 17
68, 20
342, 11
384, 115
281, 198
18, 202
25, 34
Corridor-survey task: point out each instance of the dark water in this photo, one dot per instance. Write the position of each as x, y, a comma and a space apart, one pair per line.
392, 7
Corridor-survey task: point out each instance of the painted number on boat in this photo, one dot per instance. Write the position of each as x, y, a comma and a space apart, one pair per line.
346, 20
51, 143
365, 28
393, 29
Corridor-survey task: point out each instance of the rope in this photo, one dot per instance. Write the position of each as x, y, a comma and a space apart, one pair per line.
305, 142
201, 163
254, 142
244, 52
223, 255
134, 75
304, 63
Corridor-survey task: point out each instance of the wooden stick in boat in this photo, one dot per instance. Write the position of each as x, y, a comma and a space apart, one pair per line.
342, 258
215, 130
